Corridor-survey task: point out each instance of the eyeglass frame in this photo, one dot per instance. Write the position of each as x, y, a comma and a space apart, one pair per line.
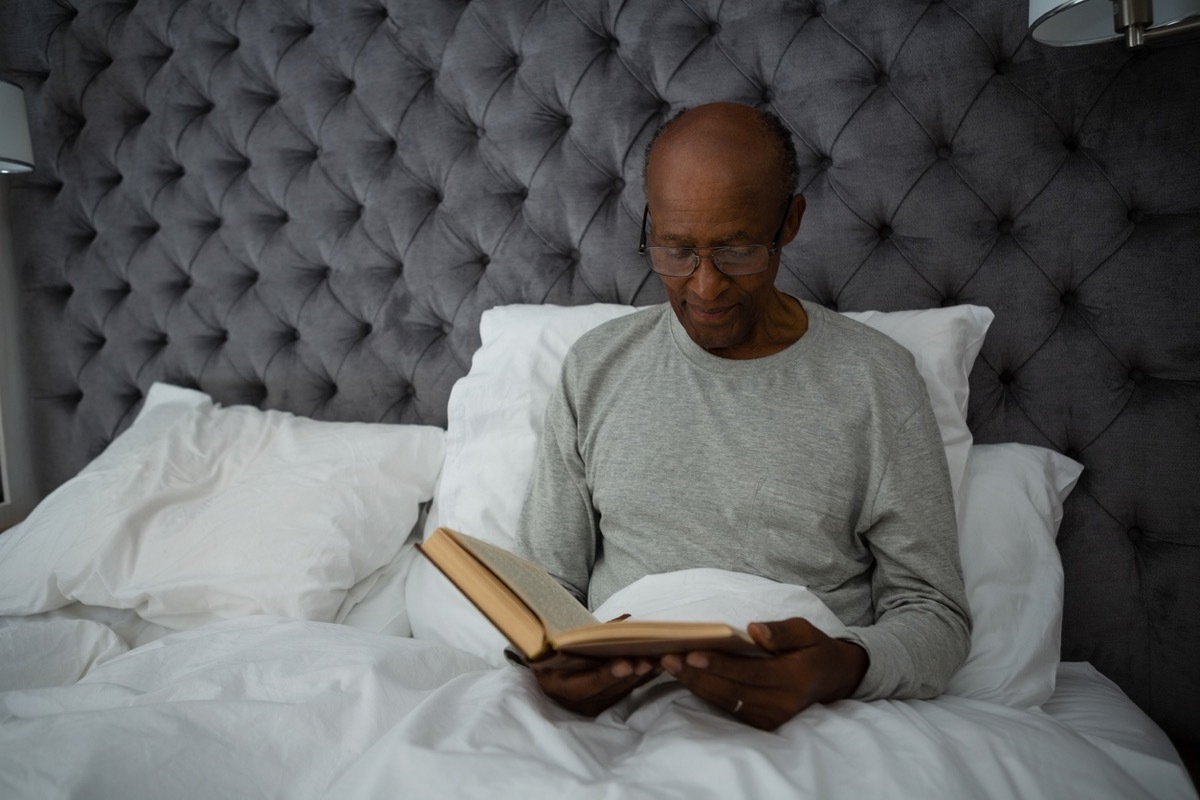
643, 248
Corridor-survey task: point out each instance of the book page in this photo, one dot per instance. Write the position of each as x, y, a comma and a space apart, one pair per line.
555, 606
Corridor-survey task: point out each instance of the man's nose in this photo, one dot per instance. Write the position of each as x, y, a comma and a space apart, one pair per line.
707, 281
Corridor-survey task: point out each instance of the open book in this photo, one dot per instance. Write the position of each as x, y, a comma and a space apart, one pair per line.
538, 616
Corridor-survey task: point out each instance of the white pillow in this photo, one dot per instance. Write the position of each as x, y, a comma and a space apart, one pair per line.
198, 513
495, 413
1013, 573
376, 604
495, 420
494, 424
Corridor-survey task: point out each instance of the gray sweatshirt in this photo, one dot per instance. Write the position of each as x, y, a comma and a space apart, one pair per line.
821, 466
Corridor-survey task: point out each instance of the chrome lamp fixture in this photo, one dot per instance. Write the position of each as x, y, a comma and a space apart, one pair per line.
16, 151
1071, 22
16, 155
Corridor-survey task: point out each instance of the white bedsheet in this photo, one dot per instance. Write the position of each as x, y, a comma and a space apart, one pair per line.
263, 707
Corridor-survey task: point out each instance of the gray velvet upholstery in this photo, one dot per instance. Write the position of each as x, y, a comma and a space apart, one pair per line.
307, 204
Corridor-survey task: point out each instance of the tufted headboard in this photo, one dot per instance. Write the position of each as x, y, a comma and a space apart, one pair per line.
307, 204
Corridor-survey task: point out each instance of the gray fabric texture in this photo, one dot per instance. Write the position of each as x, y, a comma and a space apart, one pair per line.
307, 204
820, 466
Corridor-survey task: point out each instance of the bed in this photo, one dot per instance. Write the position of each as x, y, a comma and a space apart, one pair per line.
296, 278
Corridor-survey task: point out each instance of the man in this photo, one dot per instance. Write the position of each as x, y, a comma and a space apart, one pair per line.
742, 429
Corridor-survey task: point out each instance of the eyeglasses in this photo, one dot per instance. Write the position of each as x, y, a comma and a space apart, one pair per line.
735, 261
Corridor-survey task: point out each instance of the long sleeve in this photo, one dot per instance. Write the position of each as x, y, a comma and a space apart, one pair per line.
922, 624
558, 526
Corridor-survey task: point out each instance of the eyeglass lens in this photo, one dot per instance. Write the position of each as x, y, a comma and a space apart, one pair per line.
734, 261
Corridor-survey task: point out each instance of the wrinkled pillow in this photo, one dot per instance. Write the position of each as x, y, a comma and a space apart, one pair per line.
495, 421
494, 424
1012, 506
199, 512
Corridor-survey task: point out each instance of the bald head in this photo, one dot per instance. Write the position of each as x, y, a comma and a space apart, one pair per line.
729, 136
720, 177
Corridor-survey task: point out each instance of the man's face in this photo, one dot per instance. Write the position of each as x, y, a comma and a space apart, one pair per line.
722, 314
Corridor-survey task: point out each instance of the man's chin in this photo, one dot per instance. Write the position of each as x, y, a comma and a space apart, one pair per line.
712, 335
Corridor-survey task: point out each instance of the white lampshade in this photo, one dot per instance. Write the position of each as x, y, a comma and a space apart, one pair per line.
1070, 22
16, 151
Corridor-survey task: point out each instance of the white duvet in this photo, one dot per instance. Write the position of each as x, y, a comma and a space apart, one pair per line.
266, 707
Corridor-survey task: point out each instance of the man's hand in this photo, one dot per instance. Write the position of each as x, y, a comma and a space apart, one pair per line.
590, 685
805, 667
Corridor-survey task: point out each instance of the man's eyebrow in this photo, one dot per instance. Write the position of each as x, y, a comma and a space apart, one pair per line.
737, 237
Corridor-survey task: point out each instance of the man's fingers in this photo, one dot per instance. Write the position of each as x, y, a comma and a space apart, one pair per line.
795, 633
563, 662
620, 687
742, 670
595, 688
745, 701
765, 706
583, 685
716, 689
806, 666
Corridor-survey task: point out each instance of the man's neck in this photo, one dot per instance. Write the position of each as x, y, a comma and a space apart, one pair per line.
783, 323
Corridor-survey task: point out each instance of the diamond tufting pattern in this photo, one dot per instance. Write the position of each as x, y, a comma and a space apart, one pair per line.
308, 204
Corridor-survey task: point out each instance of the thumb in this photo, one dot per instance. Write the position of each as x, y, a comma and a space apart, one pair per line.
796, 633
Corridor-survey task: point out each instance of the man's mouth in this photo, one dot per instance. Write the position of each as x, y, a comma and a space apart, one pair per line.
709, 314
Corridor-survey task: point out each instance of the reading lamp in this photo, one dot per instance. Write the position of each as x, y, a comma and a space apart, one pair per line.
16, 155
16, 151
1071, 22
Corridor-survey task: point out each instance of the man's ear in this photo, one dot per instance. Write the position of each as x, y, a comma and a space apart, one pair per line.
795, 214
